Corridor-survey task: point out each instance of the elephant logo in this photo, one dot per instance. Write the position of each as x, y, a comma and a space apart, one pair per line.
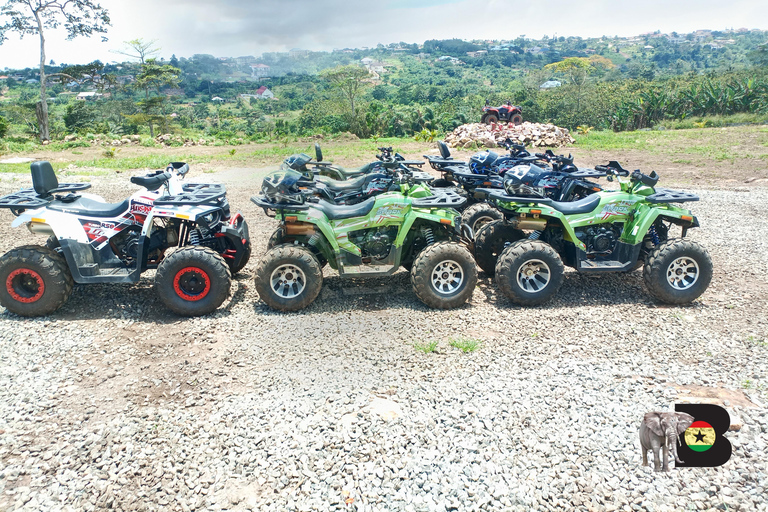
693, 433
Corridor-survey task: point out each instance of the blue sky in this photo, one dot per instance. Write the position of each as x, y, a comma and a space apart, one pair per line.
238, 27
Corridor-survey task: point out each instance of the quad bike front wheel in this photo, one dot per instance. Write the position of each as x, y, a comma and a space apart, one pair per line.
279, 238
529, 272
34, 281
478, 215
288, 277
677, 271
193, 280
491, 240
516, 119
444, 275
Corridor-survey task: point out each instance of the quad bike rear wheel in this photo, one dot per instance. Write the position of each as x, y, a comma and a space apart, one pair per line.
34, 281
491, 240
677, 271
489, 118
529, 272
193, 280
288, 277
478, 215
444, 275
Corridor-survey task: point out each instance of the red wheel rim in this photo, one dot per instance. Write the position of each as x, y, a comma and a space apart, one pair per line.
25, 285
192, 283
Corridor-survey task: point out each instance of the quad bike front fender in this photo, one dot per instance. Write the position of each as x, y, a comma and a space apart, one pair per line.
645, 216
442, 217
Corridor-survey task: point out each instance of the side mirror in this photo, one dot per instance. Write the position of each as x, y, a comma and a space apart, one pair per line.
318, 153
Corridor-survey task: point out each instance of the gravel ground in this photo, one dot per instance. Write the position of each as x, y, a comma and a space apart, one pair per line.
112, 403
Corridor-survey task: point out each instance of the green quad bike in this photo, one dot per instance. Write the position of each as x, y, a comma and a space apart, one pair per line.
612, 231
413, 228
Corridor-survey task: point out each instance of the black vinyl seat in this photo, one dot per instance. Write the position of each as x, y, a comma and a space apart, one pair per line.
345, 186
585, 205
90, 208
151, 183
43, 178
334, 212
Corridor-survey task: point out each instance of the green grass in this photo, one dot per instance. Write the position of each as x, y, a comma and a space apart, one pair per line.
426, 348
757, 342
465, 344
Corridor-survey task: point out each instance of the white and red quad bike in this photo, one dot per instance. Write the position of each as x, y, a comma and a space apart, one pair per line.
184, 230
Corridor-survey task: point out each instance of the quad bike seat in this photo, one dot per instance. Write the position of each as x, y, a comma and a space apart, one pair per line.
90, 208
44, 180
585, 205
151, 182
345, 186
334, 212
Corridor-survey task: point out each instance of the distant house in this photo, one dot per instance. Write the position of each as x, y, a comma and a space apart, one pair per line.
298, 52
647, 47
550, 84
217, 99
264, 93
259, 71
32, 81
124, 79
366, 61
88, 96
478, 53
535, 50
245, 61
375, 67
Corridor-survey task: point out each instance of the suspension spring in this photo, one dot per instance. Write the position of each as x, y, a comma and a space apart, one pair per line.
535, 235
429, 236
313, 239
194, 237
654, 235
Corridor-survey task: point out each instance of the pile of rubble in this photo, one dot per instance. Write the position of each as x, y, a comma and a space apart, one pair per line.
166, 139
492, 135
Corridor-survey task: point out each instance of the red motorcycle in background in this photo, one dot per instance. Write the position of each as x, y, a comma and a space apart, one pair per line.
507, 113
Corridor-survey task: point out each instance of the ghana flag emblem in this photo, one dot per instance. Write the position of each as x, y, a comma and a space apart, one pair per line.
700, 436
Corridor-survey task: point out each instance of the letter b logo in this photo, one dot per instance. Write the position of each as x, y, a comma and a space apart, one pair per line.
703, 445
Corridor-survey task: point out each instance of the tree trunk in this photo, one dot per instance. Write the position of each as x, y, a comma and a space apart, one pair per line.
41, 108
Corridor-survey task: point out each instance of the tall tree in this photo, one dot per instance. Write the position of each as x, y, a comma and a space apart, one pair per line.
139, 49
153, 77
351, 82
33, 17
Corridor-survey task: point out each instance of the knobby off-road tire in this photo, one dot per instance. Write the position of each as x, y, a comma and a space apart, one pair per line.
529, 272
193, 280
444, 275
53, 243
288, 277
516, 119
34, 281
677, 271
489, 118
279, 238
490, 242
480, 214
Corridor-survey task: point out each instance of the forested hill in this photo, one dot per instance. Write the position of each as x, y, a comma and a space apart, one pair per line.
406, 89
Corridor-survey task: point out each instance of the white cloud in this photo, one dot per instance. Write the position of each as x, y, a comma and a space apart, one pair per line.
239, 27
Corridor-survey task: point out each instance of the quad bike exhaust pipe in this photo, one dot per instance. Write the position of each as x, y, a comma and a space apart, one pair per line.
533, 224
39, 228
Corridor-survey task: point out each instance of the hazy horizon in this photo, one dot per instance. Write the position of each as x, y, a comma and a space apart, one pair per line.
232, 28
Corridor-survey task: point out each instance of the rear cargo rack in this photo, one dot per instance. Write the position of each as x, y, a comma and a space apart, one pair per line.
665, 195
445, 199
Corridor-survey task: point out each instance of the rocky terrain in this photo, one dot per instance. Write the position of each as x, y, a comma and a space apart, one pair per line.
114, 403
492, 135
